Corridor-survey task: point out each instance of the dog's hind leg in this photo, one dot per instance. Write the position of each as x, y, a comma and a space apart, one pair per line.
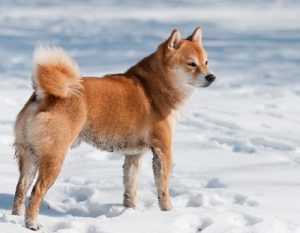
49, 168
51, 135
131, 171
27, 168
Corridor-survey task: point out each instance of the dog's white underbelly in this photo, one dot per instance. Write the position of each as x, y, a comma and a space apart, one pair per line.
128, 145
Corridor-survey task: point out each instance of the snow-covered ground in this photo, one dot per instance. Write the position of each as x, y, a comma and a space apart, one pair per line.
236, 148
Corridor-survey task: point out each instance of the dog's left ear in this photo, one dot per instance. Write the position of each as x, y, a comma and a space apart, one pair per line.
196, 35
174, 39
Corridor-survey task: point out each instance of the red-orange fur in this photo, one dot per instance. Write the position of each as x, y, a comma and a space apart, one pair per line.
58, 80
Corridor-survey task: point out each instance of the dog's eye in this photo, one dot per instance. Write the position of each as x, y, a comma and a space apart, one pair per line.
192, 64
206, 63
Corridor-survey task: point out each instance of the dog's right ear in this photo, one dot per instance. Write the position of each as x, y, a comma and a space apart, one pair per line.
174, 39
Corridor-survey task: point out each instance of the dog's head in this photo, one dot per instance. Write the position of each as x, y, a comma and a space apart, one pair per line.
186, 60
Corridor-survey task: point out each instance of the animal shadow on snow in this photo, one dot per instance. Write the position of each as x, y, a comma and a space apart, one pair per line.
109, 209
6, 202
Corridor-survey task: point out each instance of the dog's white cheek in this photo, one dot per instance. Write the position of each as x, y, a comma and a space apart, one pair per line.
182, 81
199, 80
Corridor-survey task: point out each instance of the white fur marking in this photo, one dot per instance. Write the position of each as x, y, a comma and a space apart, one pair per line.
172, 119
182, 79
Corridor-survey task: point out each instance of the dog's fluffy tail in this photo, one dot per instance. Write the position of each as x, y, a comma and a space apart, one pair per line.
55, 73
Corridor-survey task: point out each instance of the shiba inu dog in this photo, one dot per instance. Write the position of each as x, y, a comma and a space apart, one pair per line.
127, 113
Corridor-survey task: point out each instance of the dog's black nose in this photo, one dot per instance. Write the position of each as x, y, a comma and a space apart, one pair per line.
210, 78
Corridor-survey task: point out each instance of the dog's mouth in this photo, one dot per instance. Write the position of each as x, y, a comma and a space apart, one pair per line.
207, 84
199, 85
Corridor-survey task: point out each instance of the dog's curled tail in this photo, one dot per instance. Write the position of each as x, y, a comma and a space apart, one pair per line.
55, 73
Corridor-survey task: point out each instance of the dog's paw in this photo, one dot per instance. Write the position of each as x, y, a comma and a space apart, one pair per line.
20, 210
165, 205
17, 212
128, 202
32, 225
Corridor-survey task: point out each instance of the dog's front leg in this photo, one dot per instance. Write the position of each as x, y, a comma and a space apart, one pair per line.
162, 164
131, 170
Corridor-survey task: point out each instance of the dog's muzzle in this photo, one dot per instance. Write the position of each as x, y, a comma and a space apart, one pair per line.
210, 78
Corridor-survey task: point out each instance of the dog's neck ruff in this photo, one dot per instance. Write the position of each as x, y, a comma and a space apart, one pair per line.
163, 90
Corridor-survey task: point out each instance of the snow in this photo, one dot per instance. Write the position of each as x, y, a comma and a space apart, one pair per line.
236, 148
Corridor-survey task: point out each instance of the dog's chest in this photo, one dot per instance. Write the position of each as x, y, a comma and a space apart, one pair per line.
126, 145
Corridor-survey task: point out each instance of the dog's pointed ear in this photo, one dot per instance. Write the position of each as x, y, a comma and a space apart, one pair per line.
196, 36
174, 39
